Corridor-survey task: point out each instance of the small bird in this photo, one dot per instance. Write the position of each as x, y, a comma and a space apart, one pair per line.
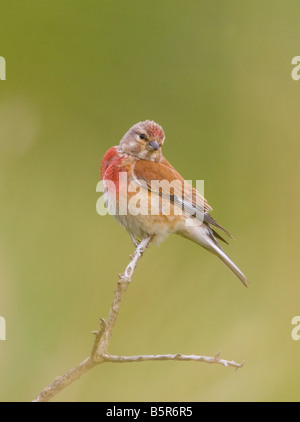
180, 209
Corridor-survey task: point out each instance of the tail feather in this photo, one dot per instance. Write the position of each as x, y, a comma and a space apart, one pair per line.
230, 264
204, 236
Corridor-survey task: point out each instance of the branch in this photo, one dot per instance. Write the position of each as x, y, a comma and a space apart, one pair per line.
99, 352
177, 356
103, 336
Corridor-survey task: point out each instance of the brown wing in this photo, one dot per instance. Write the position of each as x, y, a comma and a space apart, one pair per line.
181, 193
170, 184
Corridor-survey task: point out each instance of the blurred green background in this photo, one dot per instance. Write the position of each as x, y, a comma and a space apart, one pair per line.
217, 76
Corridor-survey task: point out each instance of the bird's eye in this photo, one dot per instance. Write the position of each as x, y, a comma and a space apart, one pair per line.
142, 136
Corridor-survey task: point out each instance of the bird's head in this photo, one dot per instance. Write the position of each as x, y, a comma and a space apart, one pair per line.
144, 141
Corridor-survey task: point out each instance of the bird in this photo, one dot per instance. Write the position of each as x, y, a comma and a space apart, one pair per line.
150, 182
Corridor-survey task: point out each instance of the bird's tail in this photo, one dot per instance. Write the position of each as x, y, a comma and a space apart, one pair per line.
204, 236
230, 264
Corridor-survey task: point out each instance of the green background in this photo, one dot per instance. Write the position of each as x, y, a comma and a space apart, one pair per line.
217, 76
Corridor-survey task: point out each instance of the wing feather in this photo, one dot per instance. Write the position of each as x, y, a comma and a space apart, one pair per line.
181, 193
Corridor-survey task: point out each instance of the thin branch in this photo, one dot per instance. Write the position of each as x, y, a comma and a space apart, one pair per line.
177, 356
99, 352
103, 336
124, 280
62, 382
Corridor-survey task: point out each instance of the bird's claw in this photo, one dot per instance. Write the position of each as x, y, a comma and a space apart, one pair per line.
134, 241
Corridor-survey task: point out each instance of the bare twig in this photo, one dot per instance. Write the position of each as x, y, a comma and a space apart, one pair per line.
99, 352
102, 337
177, 356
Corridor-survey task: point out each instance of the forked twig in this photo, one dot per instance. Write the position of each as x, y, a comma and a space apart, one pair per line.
99, 352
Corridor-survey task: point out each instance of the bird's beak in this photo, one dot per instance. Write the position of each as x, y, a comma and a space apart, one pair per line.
154, 145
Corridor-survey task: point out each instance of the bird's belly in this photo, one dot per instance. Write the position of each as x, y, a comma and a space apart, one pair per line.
143, 217
159, 226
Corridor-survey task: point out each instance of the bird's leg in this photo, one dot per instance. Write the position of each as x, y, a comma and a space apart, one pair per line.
135, 242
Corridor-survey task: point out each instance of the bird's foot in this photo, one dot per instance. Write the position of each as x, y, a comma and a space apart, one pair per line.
135, 242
